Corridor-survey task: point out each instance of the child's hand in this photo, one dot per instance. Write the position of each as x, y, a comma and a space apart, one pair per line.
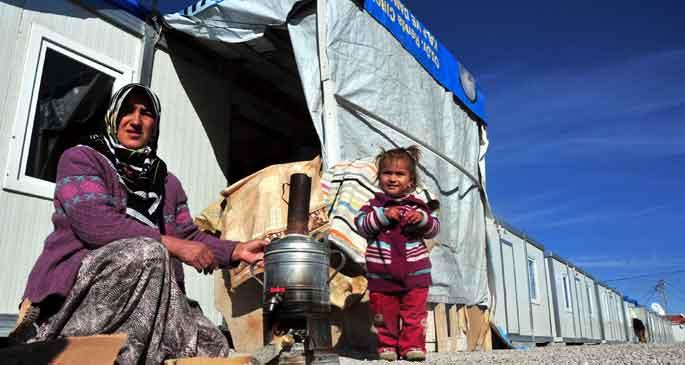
394, 213
413, 216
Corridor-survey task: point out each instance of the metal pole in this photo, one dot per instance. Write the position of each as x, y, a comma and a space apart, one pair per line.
329, 121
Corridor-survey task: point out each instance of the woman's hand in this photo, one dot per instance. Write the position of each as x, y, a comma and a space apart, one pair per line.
250, 251
195, 254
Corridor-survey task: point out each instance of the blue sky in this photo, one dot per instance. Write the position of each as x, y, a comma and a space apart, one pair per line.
586, 108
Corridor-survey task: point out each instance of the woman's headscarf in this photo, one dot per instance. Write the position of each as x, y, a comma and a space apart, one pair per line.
140, 171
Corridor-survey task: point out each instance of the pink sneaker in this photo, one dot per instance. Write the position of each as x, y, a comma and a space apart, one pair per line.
387, 354
415, 355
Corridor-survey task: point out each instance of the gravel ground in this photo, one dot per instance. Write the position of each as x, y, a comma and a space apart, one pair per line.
558, 354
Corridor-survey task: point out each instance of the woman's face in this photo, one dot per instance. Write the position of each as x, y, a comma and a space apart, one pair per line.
137, 124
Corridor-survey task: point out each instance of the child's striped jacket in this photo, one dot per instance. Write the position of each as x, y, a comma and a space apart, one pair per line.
396, 255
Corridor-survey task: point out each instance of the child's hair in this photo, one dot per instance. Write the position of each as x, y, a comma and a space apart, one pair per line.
411, 154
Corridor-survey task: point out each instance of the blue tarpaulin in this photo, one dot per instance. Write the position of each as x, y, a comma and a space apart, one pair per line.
427, 50
142, 8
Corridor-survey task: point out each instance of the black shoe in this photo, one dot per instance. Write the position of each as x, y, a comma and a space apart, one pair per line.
27, 328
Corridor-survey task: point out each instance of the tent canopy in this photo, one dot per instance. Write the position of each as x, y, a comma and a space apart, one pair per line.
373, 77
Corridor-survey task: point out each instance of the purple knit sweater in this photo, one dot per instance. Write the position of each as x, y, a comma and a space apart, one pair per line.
90, 212
396, 255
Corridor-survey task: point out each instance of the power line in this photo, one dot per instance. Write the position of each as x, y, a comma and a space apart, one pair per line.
645, 275
661, 289
675, 292
650, 296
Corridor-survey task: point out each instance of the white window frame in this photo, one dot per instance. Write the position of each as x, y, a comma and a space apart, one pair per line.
533, 274
566, 287
40, 41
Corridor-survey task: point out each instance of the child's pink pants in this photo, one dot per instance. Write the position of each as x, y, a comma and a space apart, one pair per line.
410, 307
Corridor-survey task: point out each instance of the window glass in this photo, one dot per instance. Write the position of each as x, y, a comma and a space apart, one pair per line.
72, 100
532, 280
567, 298
65, 89
589, 297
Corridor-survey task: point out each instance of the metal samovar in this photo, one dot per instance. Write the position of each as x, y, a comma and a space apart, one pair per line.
296, 296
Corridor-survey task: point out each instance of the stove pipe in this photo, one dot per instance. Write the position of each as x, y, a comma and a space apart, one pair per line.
298, 204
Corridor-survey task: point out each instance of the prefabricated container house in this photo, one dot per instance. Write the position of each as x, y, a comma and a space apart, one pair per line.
648, 326
608, 314
497, 272
613, 317
42, 42
524, 306
640, 323
621, 314
668, 329
629, 306
212, 115
587, 316
539, 292
652, 327
664, 329
277, 81
677, 323
515, 301
565, 304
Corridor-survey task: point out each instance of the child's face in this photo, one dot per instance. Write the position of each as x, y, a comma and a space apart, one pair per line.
395, 178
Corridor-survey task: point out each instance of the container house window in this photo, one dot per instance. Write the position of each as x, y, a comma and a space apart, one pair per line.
589, 298
64, 96
533, 281
567, 293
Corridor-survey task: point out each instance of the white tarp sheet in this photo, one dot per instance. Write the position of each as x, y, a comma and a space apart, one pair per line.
384, 99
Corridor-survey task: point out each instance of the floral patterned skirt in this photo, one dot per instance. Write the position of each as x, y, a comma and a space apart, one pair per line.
128, 286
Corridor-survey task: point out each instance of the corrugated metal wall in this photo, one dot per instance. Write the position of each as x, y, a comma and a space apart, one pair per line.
495, 248
593, 304
522, 289
27, 219
678, 332
629, 312
566, 327
620, 307
540, 309
516, 283
607, 315
612, 313
583, 312
510, 283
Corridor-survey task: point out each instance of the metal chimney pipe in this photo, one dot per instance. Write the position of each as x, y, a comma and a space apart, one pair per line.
298, 204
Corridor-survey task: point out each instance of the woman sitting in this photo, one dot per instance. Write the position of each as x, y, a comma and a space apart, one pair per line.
122, 230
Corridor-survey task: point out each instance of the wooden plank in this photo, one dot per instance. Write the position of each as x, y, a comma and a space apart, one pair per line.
454, 330
479, 323
441, 328
234, 359
99, 349
431, 345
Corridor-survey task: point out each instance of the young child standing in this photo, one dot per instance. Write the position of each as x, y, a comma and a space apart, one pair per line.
395, 222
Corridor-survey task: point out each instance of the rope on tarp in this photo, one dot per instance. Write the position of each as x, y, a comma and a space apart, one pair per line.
345, 103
